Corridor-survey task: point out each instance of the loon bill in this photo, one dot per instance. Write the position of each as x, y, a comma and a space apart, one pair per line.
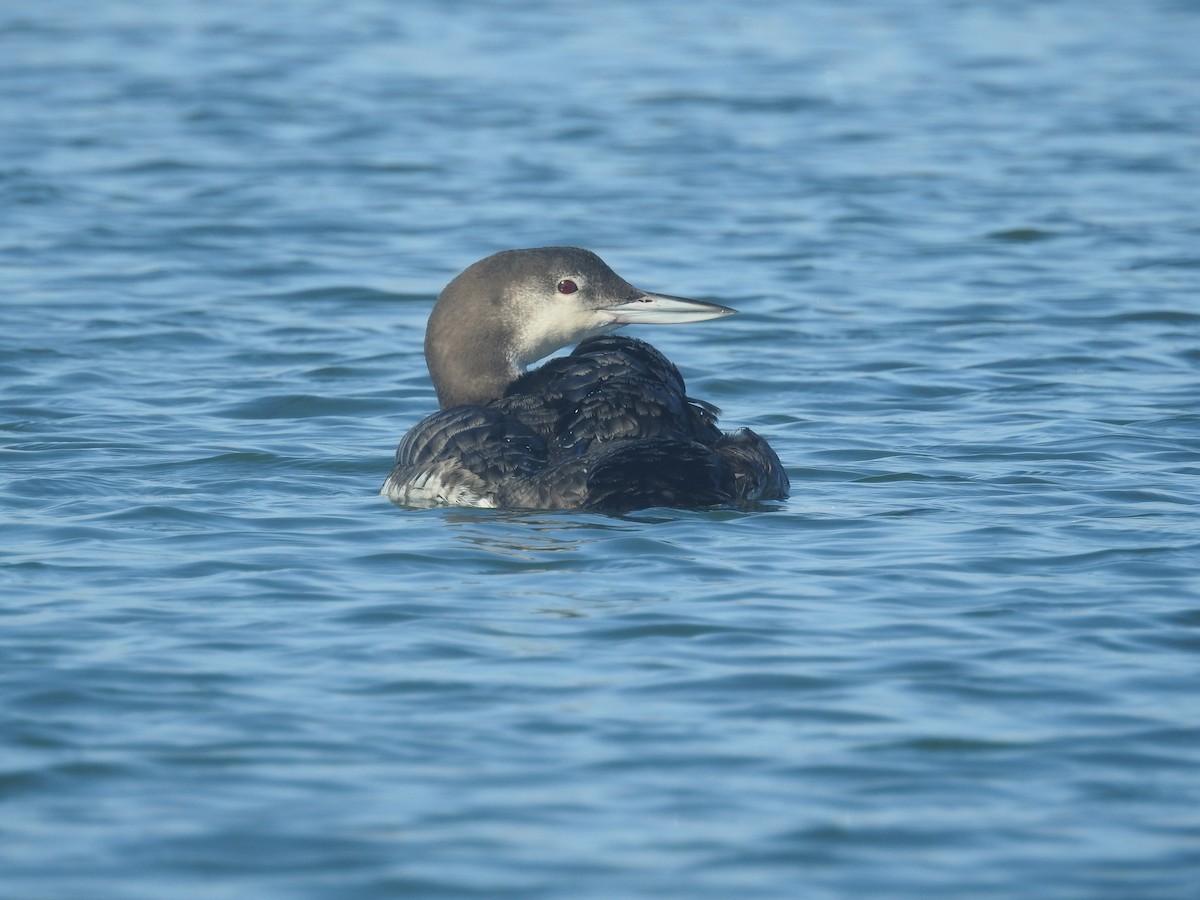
609, 427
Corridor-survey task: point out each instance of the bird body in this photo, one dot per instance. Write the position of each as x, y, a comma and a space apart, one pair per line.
608, 427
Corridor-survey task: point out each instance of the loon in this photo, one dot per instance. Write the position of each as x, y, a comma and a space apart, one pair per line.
608, 427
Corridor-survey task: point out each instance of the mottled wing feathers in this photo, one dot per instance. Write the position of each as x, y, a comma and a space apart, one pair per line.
483, 439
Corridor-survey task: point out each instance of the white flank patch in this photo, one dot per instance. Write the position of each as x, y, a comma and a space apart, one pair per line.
433, 487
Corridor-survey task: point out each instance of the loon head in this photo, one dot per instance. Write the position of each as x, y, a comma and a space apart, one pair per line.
511, 309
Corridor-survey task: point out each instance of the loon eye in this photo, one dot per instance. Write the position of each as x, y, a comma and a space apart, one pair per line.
567, 286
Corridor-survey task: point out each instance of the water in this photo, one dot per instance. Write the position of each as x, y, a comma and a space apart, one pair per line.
961, 661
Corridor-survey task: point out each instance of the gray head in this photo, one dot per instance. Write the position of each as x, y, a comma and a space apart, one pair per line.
511, 309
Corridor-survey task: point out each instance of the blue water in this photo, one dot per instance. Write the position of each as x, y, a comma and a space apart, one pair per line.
962, 660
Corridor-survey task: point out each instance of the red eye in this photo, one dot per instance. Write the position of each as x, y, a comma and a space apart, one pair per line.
567, 286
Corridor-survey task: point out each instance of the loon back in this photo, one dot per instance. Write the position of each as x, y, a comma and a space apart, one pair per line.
608, 427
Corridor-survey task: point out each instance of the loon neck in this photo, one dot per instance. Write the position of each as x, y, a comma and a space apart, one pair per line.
468, 370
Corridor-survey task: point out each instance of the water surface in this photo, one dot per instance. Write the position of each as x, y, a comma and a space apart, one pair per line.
960, 661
